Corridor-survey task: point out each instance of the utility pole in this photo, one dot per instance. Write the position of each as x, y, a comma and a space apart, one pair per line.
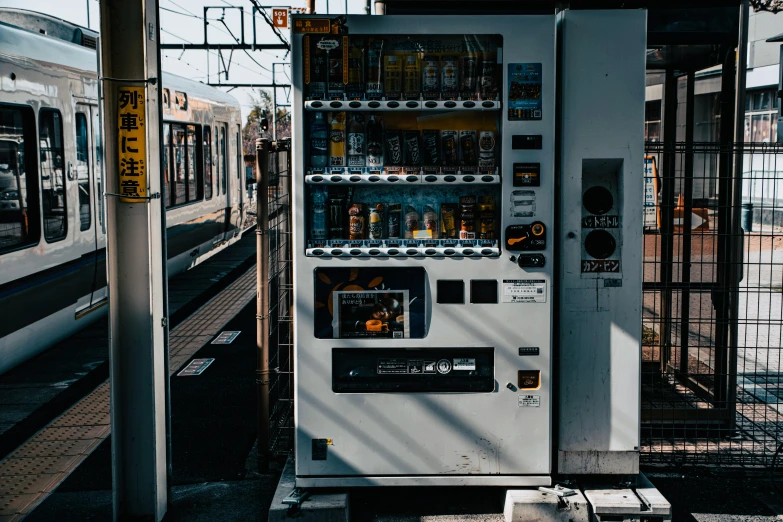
88, 14
130, 81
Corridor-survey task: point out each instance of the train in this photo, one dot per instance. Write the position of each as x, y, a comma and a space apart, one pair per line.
52, 219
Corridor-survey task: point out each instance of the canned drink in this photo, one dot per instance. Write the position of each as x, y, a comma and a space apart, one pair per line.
393, 142
394, 220
448, 220
356, 222
449, 76
412, 148
486, 80
411, 222
412, 77
430, 140
486, 225
486, 149
469, 69
430, 221
467, 145
375, 228
337, 217
449, 147
392, 77
429, 76
467, 229
374, 69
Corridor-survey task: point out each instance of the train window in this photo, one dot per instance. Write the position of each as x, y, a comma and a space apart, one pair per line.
19, 223
223, 157
166, 98
83, 170
180, 164
181, 100
53, 189
193, 192
207, 144
167, 165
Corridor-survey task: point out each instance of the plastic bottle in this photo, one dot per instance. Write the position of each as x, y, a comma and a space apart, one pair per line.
374, 143
356, 149
319, 138
318, 198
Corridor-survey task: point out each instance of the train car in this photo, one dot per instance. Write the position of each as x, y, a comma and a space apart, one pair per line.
52, 226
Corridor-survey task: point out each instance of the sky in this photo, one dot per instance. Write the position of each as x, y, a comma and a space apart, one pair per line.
181, 22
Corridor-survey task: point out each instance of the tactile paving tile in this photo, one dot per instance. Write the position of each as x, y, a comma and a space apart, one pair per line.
31, 466
70, 433
53, 448
81, 419
12, 504
28, 484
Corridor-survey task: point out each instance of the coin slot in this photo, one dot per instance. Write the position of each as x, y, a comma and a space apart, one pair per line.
450, 291
483, 291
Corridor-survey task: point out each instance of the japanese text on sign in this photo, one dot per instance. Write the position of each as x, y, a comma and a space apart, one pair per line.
132, 144
312, 25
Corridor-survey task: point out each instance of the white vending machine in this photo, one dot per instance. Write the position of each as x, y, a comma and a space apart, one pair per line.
425, 249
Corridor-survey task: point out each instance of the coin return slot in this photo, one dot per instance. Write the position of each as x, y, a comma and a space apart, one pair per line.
529, 379
451, 291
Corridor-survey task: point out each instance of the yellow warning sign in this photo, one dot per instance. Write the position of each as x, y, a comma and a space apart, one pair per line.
132, 144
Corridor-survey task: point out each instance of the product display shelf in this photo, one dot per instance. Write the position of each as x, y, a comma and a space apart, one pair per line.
405, 176
404, 248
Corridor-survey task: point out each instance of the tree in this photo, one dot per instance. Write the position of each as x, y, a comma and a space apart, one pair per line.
261, 102
773, 6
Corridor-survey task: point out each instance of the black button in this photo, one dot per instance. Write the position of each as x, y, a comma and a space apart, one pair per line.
531, 260
488, 104
412, 252
487, 179
355, 104
468, 178
431, 178
316, 105
412, 179
336, 104
392, 179
374, 104
318, 252
431, 104
336, 252
413, 104
450, 179
374, 252
355, 252
449, 251
468, 104
430, 251
374, 178
393, 104
355, 178
317, 178
467, 251
487, 252
393, 251
600, 244
336, 179
450, 104
598, 200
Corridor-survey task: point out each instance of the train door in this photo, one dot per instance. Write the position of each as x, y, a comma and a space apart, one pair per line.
240, 182
224, 193
91, 231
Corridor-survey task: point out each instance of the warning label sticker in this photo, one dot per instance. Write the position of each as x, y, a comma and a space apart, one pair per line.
465, 364
529, 401
386, 366
524, 291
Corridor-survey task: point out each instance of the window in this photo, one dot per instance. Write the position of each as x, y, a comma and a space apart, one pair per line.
207, 151
761, 116
652, 120
53, 190
223, 157
166, 99
181, 100
83, 169
19, 225
181, 162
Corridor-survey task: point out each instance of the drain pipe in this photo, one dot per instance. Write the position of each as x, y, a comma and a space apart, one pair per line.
262, 302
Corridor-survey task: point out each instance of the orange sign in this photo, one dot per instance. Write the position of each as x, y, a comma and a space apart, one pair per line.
280, 17
312, 25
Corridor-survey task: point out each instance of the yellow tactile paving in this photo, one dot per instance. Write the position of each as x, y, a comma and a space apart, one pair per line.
35, 469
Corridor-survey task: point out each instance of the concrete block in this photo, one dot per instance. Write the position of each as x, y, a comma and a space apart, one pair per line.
531, 505
318, 507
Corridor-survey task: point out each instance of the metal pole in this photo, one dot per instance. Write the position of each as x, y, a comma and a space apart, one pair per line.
262, 301
346, 6
368, 7
310, 7
737, 261
135, 258
88, 14
274, 102
380, 7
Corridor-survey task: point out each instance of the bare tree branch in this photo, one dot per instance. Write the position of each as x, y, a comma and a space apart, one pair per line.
772, 6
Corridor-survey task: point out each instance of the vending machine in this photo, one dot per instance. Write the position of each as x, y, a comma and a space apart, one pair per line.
424, 152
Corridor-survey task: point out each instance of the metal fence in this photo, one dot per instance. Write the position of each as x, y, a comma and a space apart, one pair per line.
278, 286
712, 391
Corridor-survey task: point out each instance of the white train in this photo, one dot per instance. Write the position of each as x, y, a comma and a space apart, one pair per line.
52, 227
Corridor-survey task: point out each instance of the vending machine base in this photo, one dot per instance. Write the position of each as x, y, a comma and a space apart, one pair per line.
418, 480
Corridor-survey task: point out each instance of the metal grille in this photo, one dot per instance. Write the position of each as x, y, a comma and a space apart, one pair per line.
280, 288
712, 391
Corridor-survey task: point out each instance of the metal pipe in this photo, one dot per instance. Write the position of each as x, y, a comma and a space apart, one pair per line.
687, 221
380, 8
368, 7
262, 301
310, 9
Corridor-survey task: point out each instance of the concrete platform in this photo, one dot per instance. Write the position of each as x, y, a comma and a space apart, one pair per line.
318, 507
531, 505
